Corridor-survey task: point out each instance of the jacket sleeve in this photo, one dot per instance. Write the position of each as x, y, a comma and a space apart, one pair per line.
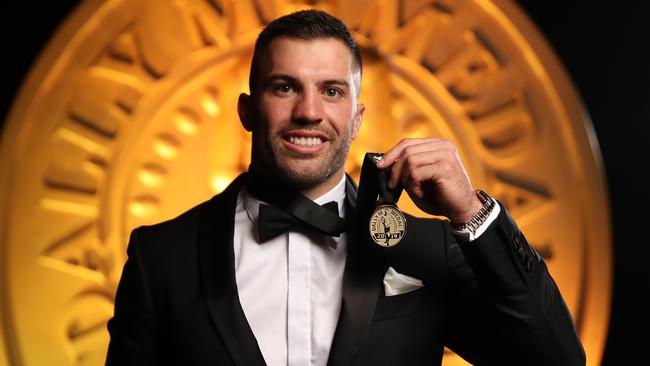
504, 306
132, 328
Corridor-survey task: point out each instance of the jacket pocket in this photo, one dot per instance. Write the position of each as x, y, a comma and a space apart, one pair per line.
391, 307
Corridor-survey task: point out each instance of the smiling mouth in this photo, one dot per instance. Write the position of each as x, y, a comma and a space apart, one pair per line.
305, 141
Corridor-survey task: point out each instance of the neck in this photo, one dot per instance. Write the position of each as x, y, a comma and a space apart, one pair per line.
320, 189
311, 192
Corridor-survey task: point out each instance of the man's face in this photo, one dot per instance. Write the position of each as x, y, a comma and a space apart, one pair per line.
304, 114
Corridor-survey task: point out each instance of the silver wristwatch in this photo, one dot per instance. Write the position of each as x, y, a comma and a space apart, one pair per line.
479, 218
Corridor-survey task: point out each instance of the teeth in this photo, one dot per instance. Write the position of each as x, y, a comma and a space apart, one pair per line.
305, 141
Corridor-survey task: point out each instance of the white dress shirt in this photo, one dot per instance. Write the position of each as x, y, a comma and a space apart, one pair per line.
290, 287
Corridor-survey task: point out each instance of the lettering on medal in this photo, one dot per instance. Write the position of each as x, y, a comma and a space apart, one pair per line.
387, 226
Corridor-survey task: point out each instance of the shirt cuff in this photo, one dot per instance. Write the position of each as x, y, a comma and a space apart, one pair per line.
467, 236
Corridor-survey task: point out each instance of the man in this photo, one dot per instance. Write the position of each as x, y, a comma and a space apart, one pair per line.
223, 285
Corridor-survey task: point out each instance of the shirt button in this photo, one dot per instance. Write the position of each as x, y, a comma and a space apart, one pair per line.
516, 243
529, 266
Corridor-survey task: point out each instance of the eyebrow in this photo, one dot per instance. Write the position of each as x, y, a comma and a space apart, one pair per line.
279, 77
337, 82
293, 80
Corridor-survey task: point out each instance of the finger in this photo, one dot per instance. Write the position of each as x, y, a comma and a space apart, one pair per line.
444, 151
391, 155
428, 165
415, 155
414, 180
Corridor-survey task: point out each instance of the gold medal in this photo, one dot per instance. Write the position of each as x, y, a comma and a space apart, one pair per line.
387, 225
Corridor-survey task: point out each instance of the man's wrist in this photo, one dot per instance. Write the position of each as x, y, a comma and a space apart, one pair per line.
463, 218
480, 220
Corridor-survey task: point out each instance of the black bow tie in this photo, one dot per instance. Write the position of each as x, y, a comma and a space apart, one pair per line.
289, 208
273, 221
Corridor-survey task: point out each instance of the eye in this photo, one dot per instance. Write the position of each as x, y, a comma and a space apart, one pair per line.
332, 92
283, 88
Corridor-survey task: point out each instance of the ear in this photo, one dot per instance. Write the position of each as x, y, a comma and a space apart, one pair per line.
244, 111
358, 119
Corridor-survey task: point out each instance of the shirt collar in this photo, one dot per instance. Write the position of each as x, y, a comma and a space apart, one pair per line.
252, 204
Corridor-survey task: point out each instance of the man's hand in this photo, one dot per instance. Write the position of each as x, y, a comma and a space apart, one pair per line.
432, 174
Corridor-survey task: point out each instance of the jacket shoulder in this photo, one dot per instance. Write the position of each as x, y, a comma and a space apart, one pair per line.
183, 223
177, 235
186, 226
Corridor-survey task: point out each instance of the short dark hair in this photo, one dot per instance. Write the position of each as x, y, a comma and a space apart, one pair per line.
306, 25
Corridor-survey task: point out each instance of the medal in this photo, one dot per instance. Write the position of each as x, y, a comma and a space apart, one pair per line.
387, 226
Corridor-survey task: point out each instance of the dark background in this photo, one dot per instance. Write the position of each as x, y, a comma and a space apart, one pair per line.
605, 49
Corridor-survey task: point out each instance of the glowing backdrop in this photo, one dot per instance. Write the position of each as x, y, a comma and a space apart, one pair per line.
129, 118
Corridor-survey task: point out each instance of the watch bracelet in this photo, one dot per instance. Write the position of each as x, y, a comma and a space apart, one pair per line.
480, 217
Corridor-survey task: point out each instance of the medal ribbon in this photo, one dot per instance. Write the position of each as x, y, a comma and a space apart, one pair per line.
372, 201
374, 184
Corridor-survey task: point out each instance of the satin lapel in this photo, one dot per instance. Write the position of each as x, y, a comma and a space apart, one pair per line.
216, 261
364, 270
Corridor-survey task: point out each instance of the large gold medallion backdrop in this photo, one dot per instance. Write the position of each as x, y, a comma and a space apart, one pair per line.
129, 118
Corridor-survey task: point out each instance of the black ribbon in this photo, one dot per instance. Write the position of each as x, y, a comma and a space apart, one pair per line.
373, 185
374, 192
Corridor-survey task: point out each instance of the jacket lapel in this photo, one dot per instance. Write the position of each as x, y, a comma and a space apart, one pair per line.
364, 270
217, 268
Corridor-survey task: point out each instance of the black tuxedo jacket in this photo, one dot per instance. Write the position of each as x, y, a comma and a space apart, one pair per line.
492, 300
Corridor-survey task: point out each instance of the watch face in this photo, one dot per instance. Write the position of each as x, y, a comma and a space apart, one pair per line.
129, 118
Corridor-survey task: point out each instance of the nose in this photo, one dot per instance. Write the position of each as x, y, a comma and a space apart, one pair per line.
308, 108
